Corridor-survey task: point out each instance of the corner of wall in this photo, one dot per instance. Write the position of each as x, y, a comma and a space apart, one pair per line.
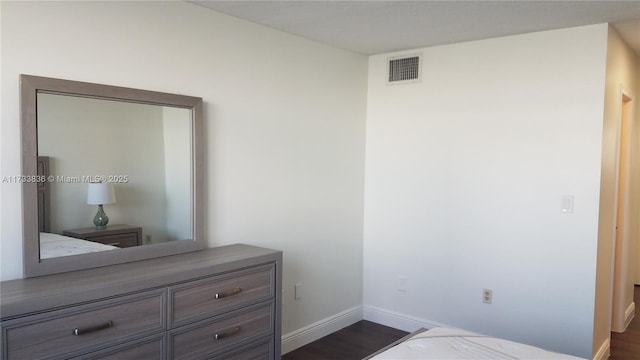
621, 71
319, 329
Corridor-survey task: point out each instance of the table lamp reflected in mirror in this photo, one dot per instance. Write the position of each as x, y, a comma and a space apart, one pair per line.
101, 194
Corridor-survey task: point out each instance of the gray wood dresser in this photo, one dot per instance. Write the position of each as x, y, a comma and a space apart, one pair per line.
218, 303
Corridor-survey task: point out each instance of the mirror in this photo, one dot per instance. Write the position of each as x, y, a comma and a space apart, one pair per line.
142, 150
112, 174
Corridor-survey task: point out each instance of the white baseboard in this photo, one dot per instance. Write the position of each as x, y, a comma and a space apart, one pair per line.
629, 314
396, 320
604, 351
324, 327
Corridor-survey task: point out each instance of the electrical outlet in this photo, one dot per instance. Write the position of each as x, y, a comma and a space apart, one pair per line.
297, 291
487, 296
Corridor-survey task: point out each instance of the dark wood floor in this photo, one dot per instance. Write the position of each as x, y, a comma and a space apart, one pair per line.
626, 345
353, 342
364, 338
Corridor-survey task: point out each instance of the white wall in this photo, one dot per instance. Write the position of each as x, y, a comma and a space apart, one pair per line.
622, 72
177, 164
2, 161
464, 176
284, 122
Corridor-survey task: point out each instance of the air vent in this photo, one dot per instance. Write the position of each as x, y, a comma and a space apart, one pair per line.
404, 69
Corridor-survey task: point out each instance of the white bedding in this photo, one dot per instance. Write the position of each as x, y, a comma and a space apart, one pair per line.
54, 245
445, 343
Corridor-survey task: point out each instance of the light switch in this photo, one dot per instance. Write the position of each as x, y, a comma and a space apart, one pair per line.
566, 204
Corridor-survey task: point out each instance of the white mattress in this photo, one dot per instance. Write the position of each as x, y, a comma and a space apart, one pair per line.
54, 245
445, 343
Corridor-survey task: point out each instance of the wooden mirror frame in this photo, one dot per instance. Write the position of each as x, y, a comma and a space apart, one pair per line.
30, 86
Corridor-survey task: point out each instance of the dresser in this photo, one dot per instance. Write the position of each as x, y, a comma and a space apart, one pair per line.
115, 235
218, 303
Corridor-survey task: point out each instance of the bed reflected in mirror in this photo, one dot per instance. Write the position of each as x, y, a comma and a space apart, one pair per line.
141, 150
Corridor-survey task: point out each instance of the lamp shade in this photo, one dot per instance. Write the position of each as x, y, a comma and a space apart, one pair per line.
100, 194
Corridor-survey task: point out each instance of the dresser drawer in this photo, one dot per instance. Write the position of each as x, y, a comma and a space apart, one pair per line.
262, 351
62, 333
145, 349
121, 240
208, 297
207, 338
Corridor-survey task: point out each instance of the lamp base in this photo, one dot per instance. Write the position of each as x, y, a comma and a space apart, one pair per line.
101, 219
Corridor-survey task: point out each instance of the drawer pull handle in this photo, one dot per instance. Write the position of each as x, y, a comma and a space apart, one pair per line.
227, 333
114, 244
235, 291
91, 329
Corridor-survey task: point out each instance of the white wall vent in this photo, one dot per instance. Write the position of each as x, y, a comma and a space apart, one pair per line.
404, 69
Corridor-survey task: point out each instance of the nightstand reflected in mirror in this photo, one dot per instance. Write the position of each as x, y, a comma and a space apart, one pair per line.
115, 235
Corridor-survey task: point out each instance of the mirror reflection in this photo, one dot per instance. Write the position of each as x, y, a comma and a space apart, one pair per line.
117, 174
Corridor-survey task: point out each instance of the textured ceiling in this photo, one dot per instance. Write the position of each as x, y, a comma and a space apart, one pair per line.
373, 27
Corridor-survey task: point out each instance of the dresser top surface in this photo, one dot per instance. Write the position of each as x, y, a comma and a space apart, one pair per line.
25, 296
